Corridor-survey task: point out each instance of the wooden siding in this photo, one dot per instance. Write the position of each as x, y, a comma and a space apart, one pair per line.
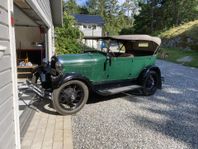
3, 16
4, 32
7, 137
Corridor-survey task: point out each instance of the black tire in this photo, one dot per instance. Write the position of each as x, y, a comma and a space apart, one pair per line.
150, 83
67, 94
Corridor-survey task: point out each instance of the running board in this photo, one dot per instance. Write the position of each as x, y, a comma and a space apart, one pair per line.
117, 90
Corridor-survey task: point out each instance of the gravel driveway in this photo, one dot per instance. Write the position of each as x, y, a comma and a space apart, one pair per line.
167, 120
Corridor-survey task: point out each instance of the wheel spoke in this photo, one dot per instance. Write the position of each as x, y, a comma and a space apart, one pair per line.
150, 82
71, 97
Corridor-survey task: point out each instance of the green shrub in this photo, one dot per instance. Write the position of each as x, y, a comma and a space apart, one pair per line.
68, 36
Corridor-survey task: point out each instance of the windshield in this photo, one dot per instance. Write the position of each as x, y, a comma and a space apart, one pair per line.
103, 45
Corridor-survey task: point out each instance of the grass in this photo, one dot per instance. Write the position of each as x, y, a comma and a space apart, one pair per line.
184, 31
176, 53
189, 29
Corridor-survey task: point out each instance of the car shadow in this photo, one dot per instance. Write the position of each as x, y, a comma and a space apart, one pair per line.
45, 105
95, 98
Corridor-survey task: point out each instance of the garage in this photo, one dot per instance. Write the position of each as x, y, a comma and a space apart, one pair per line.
34, 40
34, 35
26, 37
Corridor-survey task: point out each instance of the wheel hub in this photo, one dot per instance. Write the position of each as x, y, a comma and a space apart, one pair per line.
150, 82
71, 94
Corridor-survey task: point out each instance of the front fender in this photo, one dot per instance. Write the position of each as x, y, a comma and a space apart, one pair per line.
146, 71
42, 73
59, 80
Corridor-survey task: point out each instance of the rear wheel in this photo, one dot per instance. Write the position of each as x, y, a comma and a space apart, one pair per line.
150, 83
70, 97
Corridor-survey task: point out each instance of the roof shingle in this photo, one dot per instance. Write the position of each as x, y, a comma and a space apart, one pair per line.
89, 19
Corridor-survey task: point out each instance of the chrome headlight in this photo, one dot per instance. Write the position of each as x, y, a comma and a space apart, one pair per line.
59, 66
44, 62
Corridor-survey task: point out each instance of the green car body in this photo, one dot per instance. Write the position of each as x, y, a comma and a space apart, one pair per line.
97, 68
126, 63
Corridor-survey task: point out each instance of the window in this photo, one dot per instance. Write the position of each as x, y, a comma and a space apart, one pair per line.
94, 27
143, 44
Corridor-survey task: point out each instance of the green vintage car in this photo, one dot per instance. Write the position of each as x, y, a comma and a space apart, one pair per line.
115, 64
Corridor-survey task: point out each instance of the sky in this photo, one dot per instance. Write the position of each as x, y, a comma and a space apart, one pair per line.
82, 2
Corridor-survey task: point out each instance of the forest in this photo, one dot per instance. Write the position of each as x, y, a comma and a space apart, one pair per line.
130, 17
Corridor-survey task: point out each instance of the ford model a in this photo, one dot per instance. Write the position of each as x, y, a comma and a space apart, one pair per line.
115, 64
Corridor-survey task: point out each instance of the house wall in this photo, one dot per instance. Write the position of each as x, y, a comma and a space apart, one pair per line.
25, 36
89, 31
9, 124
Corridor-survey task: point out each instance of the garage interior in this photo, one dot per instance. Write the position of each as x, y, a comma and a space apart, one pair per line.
30, 34
31, 46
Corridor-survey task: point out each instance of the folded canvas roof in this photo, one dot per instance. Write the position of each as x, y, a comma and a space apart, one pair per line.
156, 40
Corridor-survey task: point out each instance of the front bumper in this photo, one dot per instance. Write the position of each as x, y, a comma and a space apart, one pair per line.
44, 94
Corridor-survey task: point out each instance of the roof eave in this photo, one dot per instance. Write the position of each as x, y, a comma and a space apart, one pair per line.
88, 23
57, 12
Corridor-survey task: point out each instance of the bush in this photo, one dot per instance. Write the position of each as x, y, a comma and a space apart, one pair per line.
68, 36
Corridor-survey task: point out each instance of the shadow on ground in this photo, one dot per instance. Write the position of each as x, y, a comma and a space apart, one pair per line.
181, 120
45, 106
95, 98
173, 111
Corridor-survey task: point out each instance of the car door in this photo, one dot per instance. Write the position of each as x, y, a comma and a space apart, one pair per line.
119, 68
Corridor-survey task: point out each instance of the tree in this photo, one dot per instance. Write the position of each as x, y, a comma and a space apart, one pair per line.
179, 11
111, 17
96, 7
67, 37
110, 10
71, 7
131, 8
156, 15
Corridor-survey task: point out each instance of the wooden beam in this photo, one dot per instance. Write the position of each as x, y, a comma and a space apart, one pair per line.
22, 4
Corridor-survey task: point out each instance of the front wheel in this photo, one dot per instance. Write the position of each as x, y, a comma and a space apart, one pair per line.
70, 97
150, 83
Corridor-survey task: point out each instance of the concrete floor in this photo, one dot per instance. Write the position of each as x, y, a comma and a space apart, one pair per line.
48, 130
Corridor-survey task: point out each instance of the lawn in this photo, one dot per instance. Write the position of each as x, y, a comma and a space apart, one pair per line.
174, 54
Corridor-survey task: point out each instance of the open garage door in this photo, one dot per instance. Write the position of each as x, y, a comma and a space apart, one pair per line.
30, 42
